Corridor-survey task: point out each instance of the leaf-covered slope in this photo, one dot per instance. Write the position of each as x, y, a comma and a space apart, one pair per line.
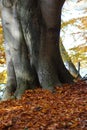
42, 110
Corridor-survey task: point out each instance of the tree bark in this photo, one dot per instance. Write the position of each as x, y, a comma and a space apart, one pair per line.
42, 24
35, 50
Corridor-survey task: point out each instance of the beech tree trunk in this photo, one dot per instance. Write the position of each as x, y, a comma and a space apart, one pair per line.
37, 58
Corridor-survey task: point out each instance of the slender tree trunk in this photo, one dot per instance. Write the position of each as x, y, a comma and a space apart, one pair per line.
71, 67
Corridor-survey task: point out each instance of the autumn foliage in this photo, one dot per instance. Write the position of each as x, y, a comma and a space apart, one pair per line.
66, 109
2, 52
3, 74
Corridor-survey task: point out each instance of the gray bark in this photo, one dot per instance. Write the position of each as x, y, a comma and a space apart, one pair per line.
32, 31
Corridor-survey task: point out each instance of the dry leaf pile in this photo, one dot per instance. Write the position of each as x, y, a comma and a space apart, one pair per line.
42, 110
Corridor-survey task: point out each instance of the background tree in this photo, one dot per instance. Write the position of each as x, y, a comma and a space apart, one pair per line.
68, 63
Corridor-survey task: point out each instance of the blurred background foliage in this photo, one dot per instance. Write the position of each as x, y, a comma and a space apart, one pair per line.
3, 73
78, 53
74, 33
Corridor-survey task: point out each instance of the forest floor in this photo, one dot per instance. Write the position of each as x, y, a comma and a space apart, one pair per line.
42, 110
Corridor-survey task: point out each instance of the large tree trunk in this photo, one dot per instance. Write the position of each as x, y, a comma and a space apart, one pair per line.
42, 25
34, 46
18, 63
